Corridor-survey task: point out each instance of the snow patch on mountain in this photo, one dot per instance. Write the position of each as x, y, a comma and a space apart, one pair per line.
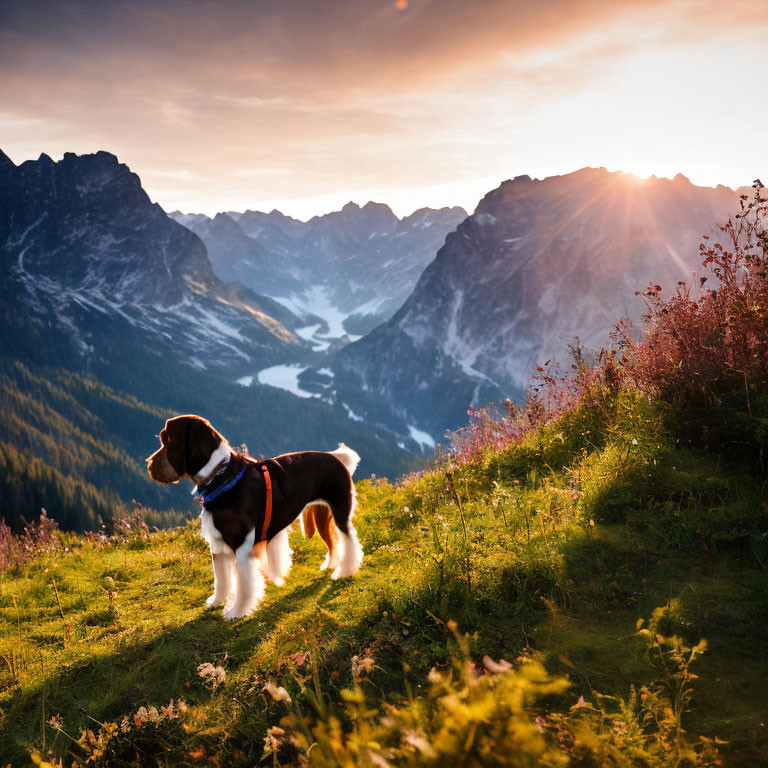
284, 377
352, 415
317, 302
424, 439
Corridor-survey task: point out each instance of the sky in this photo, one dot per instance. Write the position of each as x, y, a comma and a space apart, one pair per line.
303, 105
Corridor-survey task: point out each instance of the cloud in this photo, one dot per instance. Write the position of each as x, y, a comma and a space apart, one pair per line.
268, 100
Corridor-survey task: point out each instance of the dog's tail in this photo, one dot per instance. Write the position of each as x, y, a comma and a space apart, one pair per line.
349, 458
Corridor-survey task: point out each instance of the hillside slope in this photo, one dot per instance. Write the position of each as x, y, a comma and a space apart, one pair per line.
556, 548
91, 438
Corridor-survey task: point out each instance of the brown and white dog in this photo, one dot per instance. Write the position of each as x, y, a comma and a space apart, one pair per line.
248, 506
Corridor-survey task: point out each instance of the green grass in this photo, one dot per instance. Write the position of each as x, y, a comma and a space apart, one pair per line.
554, 548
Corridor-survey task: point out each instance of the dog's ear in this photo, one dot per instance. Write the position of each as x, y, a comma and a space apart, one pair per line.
175, 437
202, 441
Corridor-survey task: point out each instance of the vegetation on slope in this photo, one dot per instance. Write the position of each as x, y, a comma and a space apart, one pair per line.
546, 554
581, 582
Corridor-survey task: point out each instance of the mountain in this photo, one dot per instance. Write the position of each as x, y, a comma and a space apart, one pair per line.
341, 273
85, 248
539, 263
113, 319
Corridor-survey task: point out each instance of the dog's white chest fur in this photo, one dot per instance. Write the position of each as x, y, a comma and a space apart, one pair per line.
211, 534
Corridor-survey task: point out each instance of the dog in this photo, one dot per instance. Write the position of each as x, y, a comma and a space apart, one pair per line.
248, 506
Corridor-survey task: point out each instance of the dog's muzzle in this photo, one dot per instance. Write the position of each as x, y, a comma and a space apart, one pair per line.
160, 469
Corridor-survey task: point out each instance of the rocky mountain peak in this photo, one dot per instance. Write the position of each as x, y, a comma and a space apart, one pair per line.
85, 250
116, 238
225, 220
5, 161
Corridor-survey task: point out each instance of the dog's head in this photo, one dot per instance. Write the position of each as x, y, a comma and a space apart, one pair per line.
188, 445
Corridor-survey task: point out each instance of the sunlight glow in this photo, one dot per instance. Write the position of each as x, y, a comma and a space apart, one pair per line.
671, 91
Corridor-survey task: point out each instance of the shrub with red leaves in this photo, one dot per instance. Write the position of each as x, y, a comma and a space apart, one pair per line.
707, 355
132, 527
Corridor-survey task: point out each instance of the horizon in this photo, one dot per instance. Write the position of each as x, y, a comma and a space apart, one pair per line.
402, 213
417, 103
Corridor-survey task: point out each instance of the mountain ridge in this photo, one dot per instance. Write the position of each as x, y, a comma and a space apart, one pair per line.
345, 271
539, 263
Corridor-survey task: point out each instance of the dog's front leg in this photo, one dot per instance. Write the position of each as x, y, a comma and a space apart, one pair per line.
223, 567
250, 582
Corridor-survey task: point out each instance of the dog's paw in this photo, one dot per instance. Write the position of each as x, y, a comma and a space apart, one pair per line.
326, 562
235, 612
213, 601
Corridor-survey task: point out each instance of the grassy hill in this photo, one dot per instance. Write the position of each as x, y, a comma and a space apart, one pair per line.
549, 552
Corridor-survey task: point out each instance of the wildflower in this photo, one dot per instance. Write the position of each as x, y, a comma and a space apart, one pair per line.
56, 721
154, 715
169, 711
181, 706
278, 693
273, 739
213, 676
420, 743
434, 676
496, 667
125, 724
141, 717
634, 441
360, 666
300, 657
580, 703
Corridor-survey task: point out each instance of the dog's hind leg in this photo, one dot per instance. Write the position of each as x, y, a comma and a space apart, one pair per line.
318, 517
351, 555
330, 535
350, 552
278, 557
307, 521
250, 582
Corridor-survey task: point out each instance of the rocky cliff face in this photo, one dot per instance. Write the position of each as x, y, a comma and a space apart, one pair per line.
84, 249
539, 263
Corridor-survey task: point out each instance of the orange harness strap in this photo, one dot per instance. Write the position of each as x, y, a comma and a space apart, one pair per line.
268, 505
